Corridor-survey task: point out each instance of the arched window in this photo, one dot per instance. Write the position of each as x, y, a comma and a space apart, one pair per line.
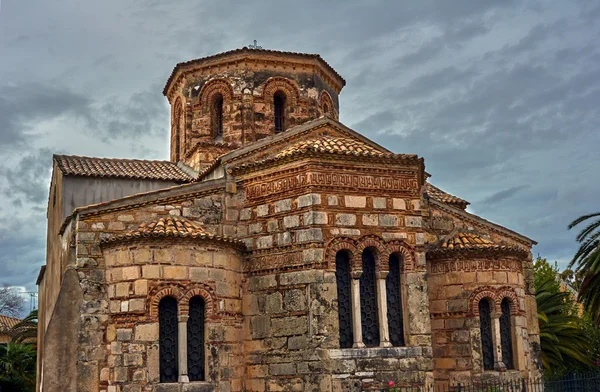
195, 339
485, 326
279, 111
368, 300
325, 109
342, 278
167, 322
505, 334
394, 302
217, 115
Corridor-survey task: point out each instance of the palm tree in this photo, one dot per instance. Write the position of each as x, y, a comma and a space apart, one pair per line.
563, 340
26, 330
17, 367
587, 261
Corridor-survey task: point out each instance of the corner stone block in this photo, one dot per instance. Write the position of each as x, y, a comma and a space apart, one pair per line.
315, 218
283, 205
146, 332
308, 235
309, 200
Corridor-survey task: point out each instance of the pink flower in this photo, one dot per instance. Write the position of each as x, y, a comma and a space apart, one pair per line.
392, 384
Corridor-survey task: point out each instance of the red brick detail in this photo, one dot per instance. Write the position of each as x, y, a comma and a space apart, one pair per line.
396, 246
169, 291
340, 244
289, 88
215, 86
478, 295
376, 244
325, 99
507, 292
204, 291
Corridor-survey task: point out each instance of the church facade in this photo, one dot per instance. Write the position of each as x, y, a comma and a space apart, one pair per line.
277, 250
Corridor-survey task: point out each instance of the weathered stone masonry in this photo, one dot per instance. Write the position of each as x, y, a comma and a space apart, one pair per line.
276, 235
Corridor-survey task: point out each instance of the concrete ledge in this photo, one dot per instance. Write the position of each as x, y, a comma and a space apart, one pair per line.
376, 352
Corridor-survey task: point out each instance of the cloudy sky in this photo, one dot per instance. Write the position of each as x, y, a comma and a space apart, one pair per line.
500, 97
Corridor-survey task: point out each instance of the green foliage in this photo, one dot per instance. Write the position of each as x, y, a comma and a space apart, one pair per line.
587, 263
26, 329
565, 343
17, 367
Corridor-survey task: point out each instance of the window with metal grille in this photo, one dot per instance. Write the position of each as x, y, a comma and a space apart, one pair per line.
342, 278
505, 334
195, 339
485, 326
394, 302
217, 115
368, 300
167, 322
279, 111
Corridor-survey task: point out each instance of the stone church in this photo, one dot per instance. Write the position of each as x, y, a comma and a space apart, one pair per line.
277, 250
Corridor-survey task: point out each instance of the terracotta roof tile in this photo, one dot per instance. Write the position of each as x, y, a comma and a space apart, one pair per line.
332, 145
171, 226
439, 195
121, 168
7, 322
469, 241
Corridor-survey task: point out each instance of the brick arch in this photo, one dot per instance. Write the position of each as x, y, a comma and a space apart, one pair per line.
507, 292
168, 291
374, 242
325, 98
478, 295
213, 87
289, 87
336, 245
397, 246
204, 291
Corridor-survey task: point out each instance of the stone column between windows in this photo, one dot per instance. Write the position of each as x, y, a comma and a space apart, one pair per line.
182, 357
356, 320
498, 364
384, 332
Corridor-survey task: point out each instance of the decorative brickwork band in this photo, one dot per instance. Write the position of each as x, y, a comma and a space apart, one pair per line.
204, 291
402, 248
288, 87
169, 291
495, 295
215, 86
379, 250
336, 245
326, 105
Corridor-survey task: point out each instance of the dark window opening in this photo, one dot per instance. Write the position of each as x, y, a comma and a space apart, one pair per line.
485, 327
342, 278
325, 109
368, 301
195, 337
394, 302
167, 323
177, 136
279, 111
217, 115
505, 335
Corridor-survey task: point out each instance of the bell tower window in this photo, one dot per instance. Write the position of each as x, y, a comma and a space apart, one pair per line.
279, 111
217, 116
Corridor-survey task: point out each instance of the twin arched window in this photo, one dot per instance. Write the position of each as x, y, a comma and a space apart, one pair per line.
487, 335
169, 337
369, 294
217, 115
279, 111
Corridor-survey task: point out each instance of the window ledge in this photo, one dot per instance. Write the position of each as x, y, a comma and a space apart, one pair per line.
192, 386
376, 352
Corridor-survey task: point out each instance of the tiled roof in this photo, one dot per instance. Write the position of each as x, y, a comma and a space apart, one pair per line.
121, 168
249, 50
170, 226
332, 145
7, 322
469, 241
439, 195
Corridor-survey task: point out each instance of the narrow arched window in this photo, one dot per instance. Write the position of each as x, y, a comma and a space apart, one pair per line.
342, 278
485, 326
368, 300
279, 111
394, 302
217, 115
505, 334
195, 339
167, 322
325, 109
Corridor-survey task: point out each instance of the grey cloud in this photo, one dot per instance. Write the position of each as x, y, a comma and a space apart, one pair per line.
503, 194
28, 180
